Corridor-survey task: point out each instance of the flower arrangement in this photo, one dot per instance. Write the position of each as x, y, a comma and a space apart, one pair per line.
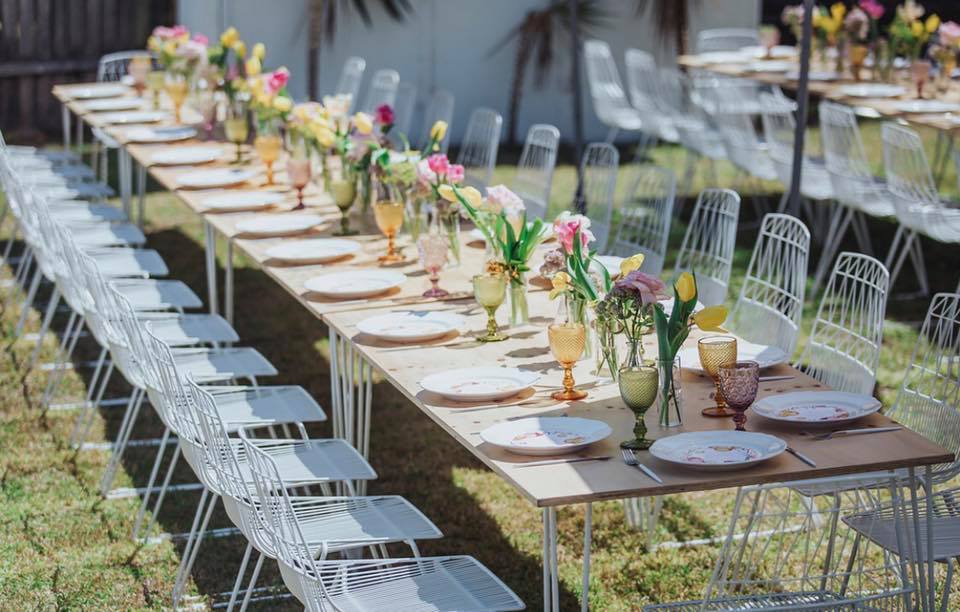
792, 17
828, 23
909, 32
177, 51
856, 25
874, 11
673, 330
234, 67
269, 98
627, 308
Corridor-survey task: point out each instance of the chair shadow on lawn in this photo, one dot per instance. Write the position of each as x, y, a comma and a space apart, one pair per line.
413, 457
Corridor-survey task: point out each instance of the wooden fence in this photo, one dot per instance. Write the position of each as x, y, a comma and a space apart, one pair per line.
45, 42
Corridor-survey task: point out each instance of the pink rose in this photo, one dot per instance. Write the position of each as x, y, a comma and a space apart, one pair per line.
439, 164
649, 288
384, 115
566, 227
178, 31
278, 80
201, 38
872, 8
163, 32
455, 174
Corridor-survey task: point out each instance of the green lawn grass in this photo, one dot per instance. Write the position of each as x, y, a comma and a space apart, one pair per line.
63, 547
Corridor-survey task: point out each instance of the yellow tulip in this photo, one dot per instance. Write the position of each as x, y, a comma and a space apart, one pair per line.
324, 136
240, 48
916, 28
259, 51
282, 104
169, 47
838, 10
686, 287
710, 318
447, 193
253, 66
560, 282
153, 44
816, 18
229, 36
472, 196
438, 131
933, 22
630, 264
363, 123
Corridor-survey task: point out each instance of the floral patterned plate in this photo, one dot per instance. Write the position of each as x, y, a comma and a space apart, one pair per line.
817, 407
479, 384
718, 450
411, 326
546, 435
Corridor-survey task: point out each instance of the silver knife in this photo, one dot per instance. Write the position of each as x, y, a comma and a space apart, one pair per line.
557, 461
856, 432
772, 378
801, 457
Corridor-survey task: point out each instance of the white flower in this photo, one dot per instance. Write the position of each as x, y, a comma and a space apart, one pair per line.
338, 105
502, 198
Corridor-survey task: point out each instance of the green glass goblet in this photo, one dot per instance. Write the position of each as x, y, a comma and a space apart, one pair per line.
638, 390
490, 290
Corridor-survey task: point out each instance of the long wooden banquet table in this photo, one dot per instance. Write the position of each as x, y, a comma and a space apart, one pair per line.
547, 487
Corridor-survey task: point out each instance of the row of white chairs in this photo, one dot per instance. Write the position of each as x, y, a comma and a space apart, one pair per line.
319, 539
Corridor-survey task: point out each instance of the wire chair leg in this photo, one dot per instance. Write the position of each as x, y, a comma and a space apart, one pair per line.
252, 583
153, 477
920, 266
28, 302
74, 324
163, 490
587, 537
141, 193
839, 223
204, 509
44, 327
239, 581
85, 419
130, 418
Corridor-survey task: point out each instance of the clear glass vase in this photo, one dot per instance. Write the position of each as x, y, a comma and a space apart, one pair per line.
608, 362
519, 308
450, 225
580, 312
417, 221
670, 394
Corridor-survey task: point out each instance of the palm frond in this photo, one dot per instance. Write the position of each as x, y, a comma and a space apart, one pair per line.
324, 14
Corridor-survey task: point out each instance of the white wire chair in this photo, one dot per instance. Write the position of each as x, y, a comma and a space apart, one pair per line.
422, 583
916, 201
403, 107
598, 171
110, 67
722, 100
606, 90
350, 78
643, 85
709, 243
478, 150
699, 137
770, 305
534, 177
645, 217
843, 350
726, 39
440, 108
383, 90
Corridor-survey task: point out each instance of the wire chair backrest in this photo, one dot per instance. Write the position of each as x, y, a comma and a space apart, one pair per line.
383, 90
645, 216
770, 305
403, 106
642, 79
351, 75
846, 158
708, 245
719, 98
843, 350
908, 174
778, 131
726, 39
598, 171
606, 88
478, 151
534, 176
113, 66
440, 108
929, 397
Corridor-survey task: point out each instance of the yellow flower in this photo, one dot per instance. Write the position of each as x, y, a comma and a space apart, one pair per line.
259, 51
323, 134
816, 18
282, 104
630, 264
363, 123
710, 318
438, 131
686, 287
561, 282
472, 196
838, 10
153, 44
933, 22
169, 47
253, 66
229, 36
446, 192
240, 48
916, 28
830, 25
239, 84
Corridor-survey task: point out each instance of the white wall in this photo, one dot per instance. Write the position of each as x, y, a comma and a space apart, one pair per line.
446, 44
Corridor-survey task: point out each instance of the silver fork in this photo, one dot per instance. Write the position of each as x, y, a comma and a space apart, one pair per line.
631, 459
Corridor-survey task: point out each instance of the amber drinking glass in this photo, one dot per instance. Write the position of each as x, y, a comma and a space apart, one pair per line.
177, 87
155, 81
389, 217
267, 144
716, 351
739, 383
567, 343
298, 172
139, 67
490, 290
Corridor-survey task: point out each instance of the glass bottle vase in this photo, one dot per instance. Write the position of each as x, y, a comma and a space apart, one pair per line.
519, 308
670, 394
580, 312
608, 362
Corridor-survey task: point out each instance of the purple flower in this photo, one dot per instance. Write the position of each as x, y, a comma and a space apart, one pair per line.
647, 287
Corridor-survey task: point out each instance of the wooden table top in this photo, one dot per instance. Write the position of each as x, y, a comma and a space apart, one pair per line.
833, 90
405, 365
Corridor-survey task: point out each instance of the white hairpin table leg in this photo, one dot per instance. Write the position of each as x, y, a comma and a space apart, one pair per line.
210, 245
551, 582
228, 284
65, 125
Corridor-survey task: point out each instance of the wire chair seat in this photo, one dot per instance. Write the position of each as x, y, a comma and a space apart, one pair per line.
150, 294
127, 263
107, 234
307, 461
71, 211
208, 365
800, 600
190, 329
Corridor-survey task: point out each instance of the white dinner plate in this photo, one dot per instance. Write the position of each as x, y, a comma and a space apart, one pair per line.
546, 435
926, 106
134, 116
814, 75
723, 57
777, 52
479, 384
872, 90
101, 90
114, 104
186, 156
318, 250
278, 225
235, 201
411, 326
610, 262
217, 177
817, 407
159, 134
770, 66
355, 284
717, 450
766, 356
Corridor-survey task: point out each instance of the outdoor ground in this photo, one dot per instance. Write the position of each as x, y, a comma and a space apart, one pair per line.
63, 547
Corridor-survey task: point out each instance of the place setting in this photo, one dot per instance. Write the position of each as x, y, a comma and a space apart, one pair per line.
186, 156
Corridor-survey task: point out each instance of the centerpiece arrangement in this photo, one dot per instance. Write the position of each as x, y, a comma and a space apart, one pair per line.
180, 54
271, 105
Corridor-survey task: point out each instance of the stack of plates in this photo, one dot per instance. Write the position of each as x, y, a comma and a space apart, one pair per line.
235, 201
718, 450
278, 225
817, 407
219, 177
546, 435
479, 384
411, 326
355, 284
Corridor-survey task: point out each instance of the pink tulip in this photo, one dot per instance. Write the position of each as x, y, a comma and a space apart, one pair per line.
455, 174
163, 32
565, 228
872, 8
278, 80
439, 163
201, 38
179, 30
949, 33
501, 197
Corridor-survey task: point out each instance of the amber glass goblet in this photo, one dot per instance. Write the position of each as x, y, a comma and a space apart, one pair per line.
567, 343
716, 351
